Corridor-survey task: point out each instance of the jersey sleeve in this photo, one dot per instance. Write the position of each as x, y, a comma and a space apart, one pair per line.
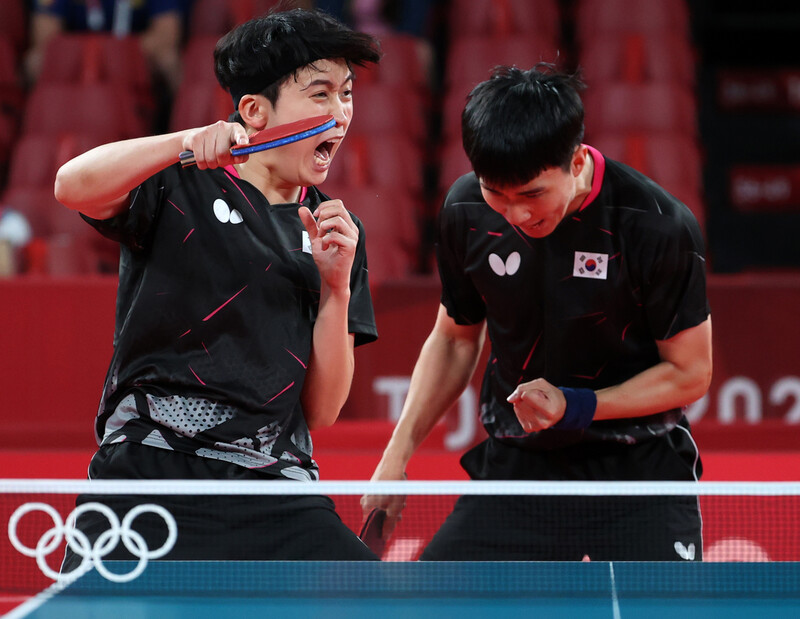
361, 314
459, 295
674, 283
134, 226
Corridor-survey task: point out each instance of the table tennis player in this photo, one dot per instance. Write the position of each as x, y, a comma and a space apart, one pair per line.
243, 291
590, 281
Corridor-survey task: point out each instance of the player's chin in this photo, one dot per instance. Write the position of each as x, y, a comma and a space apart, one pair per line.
314, 176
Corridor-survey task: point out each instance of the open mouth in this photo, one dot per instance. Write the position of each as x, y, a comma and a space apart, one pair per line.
324, 151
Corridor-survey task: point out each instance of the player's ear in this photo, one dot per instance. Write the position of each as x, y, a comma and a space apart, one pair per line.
579, 159
254, 110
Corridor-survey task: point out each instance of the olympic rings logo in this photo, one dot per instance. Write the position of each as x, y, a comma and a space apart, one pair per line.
78, 542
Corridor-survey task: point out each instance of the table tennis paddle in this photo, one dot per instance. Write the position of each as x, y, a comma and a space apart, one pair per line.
275, 137
372, 531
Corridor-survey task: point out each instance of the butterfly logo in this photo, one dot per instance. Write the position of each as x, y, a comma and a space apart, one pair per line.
685, 552
225, 214
507, 267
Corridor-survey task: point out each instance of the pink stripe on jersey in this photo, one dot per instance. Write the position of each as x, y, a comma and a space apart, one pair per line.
240, 189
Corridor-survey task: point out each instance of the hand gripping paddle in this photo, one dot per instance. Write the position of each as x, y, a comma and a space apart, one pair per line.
274, 137
372, 531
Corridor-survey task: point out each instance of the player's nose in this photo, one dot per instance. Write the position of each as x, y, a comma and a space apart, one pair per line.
342, 113
517, 214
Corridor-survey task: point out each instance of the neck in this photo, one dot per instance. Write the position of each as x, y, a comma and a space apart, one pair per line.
583, 183
275, 191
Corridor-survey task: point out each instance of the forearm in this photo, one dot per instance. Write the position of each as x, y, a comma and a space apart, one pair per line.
330, 368
96, 182
442, 372
660, 388
682, 377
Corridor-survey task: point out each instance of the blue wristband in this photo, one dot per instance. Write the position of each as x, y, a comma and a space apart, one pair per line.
581, 404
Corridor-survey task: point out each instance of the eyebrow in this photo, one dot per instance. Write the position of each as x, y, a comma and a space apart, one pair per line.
326, 82
532, 190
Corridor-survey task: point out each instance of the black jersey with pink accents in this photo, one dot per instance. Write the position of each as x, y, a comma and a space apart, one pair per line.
218, 295
581, 307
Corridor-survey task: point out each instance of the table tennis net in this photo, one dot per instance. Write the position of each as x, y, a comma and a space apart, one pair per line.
165, 521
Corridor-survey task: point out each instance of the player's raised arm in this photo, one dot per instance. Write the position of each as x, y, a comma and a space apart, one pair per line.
682, 377
98, 181
333, 237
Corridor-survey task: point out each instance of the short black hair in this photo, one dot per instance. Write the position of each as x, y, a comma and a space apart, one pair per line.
258, 56
520, 122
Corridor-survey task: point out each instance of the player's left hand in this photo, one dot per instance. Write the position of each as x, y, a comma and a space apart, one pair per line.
334, 238
538, 405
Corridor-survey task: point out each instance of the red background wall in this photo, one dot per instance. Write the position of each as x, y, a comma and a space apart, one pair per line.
56, 339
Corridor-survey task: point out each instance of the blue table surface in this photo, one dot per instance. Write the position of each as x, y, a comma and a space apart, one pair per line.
439, 590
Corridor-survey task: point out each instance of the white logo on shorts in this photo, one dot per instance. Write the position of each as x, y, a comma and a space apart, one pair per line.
685, 552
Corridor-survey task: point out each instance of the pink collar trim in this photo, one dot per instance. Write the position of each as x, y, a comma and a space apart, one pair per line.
597, 178
232, 170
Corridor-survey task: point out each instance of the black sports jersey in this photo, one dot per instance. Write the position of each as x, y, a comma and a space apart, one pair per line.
217, 299
582, 307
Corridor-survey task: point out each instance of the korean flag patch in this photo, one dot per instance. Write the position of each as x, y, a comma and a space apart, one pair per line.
592, 266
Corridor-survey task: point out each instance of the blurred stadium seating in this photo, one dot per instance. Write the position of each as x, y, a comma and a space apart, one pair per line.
661, 97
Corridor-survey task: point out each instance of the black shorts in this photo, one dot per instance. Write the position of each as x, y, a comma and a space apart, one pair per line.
570, 528
216, 527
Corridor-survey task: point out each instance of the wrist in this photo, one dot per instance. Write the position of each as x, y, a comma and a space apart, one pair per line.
339, 294
390, 469
581, 406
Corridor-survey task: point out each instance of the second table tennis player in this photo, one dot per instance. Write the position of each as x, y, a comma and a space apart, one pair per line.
589, 281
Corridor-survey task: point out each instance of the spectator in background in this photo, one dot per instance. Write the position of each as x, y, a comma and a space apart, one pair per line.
15, 234
159, 23
381, 16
